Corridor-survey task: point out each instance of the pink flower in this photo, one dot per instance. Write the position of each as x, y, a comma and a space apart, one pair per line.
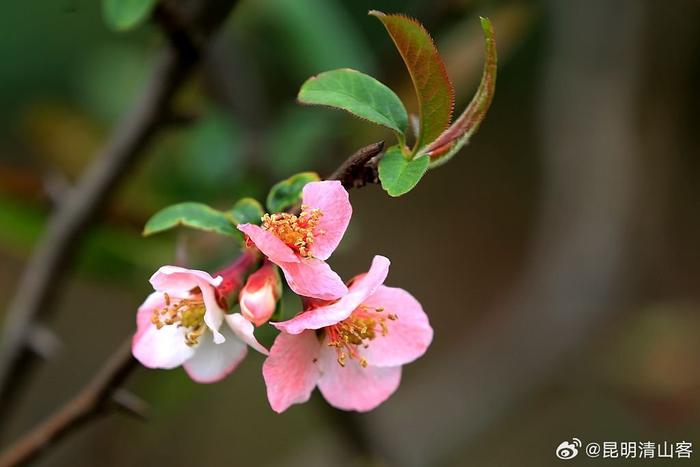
299, 245
352, 349
181, 324
258, 298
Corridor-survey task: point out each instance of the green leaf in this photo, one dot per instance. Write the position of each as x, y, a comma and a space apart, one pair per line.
357, 93
194, 215
398, 174
433, 87
122, 15
246, 211
458, 134
287, 193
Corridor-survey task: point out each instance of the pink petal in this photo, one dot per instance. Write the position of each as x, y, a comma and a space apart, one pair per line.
143, 316
213, 362
313, 278
317, 318
408, 337
158, 348
269, 244
320, 317
214, 314
332, 199
178, 281
258, 298
258, 306
355, 388
244, 331
364, 285
291, 370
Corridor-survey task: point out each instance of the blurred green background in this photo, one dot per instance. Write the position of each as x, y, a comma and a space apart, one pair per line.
556, 256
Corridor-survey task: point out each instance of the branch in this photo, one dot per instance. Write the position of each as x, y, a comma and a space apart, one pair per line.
55, 250
361, 168
93, 401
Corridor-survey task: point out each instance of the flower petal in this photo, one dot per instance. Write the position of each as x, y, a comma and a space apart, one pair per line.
158, 348
291, 370
258, 298
269, 244
408, 337
313, 278
212, 362
362, 287
355, 388
214, 314
332, 200
178, 281
143, 315
244, 331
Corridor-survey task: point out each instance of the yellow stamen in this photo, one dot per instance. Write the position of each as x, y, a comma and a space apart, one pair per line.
357, 330
296, 232
185, 312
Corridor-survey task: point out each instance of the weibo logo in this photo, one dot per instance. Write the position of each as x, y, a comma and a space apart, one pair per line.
568, 450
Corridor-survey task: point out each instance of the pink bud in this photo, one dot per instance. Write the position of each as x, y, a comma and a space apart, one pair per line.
259, 296
233, 274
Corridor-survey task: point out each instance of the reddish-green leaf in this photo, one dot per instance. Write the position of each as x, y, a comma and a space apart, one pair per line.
458, 134
433, 86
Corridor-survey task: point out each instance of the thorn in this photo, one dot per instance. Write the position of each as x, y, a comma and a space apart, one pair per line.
131, 404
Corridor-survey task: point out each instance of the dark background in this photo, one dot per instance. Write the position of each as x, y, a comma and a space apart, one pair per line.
556, 256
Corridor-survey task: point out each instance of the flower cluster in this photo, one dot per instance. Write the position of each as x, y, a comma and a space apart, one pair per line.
350, 340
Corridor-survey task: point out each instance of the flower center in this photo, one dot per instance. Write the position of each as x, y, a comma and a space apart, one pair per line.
185, 312
357, 330
295, 231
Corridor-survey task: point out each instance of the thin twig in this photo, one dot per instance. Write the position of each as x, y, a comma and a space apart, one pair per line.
361, 168
93, 401
77, 212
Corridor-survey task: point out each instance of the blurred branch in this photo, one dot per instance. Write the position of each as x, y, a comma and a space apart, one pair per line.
576, 275
81, 205
176, 28
94, 400
101, 394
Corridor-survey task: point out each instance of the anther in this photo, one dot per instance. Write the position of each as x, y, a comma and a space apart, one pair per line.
187, 313
296, 232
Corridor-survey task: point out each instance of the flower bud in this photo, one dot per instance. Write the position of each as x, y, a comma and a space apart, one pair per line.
234, 274
259, 296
